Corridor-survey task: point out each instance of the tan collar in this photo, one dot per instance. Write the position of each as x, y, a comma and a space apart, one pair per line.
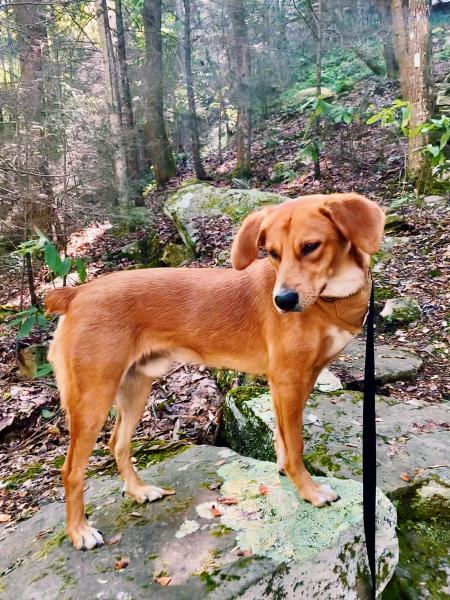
349, 312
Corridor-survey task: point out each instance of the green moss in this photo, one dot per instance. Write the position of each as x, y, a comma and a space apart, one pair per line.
19, 478
54, 542
208, 580
221, 530
58, 461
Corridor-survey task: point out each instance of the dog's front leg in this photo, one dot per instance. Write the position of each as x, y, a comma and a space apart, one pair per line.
289, 398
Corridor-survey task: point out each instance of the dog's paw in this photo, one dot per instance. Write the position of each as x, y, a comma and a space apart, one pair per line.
147, 493
319, 495
85, 537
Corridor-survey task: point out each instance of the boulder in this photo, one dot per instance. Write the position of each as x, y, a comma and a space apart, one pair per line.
400, 311
434, 201
196, 201
391, 364
328, 382
258, 543
412, 437
395, 223
175, 254
310, 92
413, 469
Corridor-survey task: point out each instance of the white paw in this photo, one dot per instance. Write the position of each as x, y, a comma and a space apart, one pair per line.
147, 493
320, 495
86, 537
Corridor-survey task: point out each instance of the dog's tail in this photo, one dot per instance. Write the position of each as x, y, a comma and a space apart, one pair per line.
57, 301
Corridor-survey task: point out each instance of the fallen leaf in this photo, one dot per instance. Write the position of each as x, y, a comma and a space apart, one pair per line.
4, 518
122, 563
163, 580
263, 489
54, 430
405, 477
114, 540
215, 511
228, 500
135, 514
244, 553
219, 462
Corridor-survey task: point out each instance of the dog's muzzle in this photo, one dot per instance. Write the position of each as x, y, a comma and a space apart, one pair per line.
288, 301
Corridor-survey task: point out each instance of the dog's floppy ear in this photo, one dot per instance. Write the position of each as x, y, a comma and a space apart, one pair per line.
245, 246
360, 220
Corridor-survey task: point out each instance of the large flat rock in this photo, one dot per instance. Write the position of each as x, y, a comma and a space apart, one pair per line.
412, 437
194, 202
391, 364
266, 542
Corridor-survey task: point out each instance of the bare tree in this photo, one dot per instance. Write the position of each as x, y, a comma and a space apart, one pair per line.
113, 100
127, 106
241, 56
155, 129
193, 125
411, 33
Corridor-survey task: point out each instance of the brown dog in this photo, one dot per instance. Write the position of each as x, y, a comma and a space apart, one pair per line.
285, 316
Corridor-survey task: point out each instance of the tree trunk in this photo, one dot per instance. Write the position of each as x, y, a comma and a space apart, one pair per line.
127, 106
390, 57
242, 86
113, 100
155, 130
193, 125
412, 31
34, 171
317, 173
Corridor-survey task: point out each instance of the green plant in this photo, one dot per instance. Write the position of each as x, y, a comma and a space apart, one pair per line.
396, 115
59, 267
439, 130
26, 319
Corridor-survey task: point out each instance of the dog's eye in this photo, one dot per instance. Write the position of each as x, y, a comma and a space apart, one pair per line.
308, 248
274, 254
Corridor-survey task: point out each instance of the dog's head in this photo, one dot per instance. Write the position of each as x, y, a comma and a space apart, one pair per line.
318, 245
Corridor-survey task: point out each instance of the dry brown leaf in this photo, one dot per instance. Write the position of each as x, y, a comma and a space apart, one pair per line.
4, 518
405, 477
115, 539
228, 500
219, 462
263, 489
215, 511
135, 514
244, 553
122, 563
163, 580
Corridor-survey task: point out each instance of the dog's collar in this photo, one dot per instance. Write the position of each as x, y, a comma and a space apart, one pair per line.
366, 285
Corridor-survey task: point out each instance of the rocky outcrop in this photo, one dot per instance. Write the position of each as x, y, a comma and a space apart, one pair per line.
413, 469
234, 529
196, 201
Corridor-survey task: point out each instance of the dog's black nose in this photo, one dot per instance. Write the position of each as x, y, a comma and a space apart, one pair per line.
287, 300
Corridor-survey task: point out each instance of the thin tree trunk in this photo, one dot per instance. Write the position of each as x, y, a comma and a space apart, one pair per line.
193, 125
242, 86
411, 32
317, 173
127, 106
113, 100
38, 194
390, 57
155, 129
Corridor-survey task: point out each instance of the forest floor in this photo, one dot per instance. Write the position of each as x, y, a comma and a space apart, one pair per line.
185, 404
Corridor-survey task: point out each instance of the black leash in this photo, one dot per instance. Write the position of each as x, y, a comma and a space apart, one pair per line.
370, 446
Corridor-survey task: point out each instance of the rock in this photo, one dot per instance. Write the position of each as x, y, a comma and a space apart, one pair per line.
384, 255
395, 223
436, 201
145, 252
175, 254
410, 436
271, 546
400, 311
200, 200
328, 382
391, 364
31, 359
310, 92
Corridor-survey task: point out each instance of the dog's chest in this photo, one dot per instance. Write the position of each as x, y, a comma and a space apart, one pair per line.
337, 339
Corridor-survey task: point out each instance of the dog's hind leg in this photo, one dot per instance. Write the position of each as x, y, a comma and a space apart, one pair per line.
131, 400
87, 414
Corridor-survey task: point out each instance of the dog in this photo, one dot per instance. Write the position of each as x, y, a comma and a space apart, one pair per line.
285, 316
